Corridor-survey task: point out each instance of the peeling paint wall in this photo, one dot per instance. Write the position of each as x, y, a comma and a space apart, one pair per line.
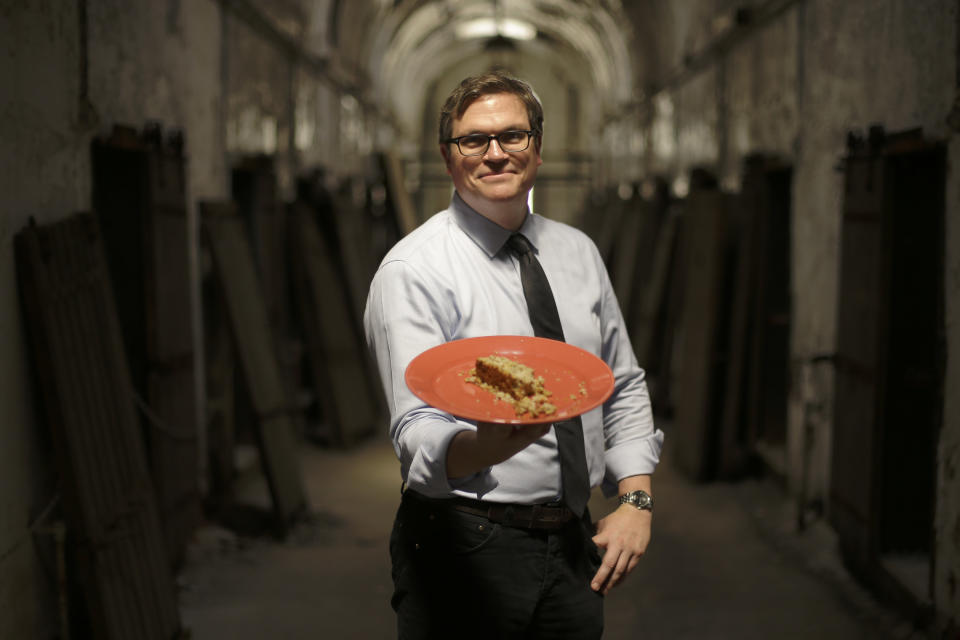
697, 121
761, 98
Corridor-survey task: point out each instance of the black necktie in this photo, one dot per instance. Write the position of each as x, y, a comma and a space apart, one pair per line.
546, 324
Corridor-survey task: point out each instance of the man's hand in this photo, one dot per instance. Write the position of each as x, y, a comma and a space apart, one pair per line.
623, 535
473, 451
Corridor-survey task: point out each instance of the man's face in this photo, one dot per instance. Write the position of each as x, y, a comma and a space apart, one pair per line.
496, 182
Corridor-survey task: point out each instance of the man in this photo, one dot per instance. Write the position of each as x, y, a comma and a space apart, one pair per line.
492, 539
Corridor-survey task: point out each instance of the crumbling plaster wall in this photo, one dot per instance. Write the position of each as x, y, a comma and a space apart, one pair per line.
794, 88
145, 61
161, 61
761, 98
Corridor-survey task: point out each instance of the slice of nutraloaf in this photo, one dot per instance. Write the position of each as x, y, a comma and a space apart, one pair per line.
513, 382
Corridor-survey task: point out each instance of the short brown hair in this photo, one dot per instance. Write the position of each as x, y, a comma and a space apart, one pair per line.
474, 87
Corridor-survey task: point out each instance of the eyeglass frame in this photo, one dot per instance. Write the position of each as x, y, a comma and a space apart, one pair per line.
531, 133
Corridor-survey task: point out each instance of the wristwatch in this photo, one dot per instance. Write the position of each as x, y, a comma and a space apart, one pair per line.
639, 499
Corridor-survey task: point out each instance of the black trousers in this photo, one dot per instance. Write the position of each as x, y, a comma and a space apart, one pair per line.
458, 575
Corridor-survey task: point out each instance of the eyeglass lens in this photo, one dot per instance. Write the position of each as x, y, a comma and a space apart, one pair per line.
511, 141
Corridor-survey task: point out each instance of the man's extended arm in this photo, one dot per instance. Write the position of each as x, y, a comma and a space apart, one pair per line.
402, 319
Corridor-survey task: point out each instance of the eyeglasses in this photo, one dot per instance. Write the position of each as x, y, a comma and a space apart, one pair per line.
476, 144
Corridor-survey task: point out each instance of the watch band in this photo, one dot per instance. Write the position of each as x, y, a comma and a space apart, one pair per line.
639, 499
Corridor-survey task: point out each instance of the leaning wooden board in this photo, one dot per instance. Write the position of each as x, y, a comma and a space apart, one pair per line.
338, 358
88, 402
225, 234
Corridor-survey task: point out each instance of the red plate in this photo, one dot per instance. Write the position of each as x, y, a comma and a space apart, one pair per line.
438, 377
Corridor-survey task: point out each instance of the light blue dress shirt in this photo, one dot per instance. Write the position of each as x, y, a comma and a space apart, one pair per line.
452, 278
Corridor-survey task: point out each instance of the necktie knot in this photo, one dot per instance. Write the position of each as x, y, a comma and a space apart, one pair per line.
519, 245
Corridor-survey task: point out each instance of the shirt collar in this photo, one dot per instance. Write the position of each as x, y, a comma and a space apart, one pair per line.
490, 236
485, 232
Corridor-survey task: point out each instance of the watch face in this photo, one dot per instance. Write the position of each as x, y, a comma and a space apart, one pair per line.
640, 499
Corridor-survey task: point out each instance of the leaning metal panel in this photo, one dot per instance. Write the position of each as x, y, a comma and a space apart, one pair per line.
88, 401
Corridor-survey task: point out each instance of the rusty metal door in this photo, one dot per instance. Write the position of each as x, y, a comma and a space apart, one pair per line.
888, 396
706, 215
860, 330
756, 378
139, 193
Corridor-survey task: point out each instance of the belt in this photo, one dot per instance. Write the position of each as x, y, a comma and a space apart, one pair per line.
549, 516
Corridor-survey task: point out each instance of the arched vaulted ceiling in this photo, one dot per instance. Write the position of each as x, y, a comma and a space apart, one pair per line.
389, 53
402, 47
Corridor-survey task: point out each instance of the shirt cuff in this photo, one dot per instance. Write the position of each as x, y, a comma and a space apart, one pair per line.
631, 458
427, 473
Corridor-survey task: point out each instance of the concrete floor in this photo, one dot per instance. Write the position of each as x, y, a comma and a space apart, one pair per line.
725, 562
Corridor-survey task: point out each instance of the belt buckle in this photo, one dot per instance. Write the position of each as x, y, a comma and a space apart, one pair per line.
522, 517
518, 517
547, 514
